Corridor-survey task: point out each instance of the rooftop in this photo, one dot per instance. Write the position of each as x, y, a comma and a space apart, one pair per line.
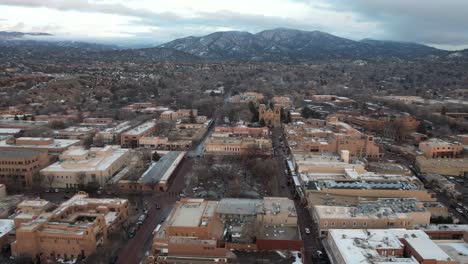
375, 185
190, 213
163, 168
6, 226
18, 154
360, 246
382, 208
80, 159
239, 206
56, 143
141, 128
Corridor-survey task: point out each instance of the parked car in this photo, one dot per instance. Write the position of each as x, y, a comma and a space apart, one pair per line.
132, 232
158, 207
141, 219
307, 230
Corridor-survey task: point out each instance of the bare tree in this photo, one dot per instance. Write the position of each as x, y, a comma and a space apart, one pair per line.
50, 179
81, 179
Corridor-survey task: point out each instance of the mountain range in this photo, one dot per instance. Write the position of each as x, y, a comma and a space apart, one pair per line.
276, 45
296, 45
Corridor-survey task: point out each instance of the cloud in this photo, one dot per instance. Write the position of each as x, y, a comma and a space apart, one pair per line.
82, 6
428, 21
425, 21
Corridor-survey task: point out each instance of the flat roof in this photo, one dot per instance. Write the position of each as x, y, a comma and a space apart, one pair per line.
18, 154
422, 243
277, 232
239, 206
141, 128
10, 131
57, 143
162, 169
382, 208
359, 246
189, 214
372, 185
91, 163
457, 250
6, 226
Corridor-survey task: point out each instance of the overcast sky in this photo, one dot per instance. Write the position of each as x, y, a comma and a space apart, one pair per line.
440, 23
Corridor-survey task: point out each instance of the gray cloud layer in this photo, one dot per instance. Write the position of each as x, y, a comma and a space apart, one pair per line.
426, 21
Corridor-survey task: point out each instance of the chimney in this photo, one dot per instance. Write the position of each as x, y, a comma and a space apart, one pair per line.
345, 155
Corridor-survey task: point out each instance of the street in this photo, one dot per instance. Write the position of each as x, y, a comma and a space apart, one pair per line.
136, 247
312, 243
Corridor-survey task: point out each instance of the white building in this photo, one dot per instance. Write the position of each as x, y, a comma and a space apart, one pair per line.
80, 166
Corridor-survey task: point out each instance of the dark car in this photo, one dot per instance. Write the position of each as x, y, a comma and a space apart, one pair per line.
113, 260
132, 232
158, 207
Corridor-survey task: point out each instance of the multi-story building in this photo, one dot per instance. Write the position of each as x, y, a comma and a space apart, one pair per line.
450, 167
18, 167
129, 139
111, 135
182, 114
382, 246
380, 214
72, 231
157, 177
78, 166
238, 146
330, 137
242, 131
163, 143
282, 101
75, 132
207, 231
98, 120
437, 148
271, 117
7, 228
53, 147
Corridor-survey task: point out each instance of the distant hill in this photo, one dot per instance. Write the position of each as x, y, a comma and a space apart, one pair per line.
16, 34
296, 45
74, 51
276, 45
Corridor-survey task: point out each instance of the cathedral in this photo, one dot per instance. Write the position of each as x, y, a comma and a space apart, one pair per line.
271, 117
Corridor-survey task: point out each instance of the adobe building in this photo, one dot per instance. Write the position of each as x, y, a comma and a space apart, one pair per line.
157, 177
78, 166
438, 148
17, 167
183, 114
242, 131
72, 231
271, 117
282, 101
163, 143
53, 147
98, 120
351, 191
129, 139
382, 246
75, 132
238, 146
379, 214
207, 231
449, 167
330, 137
111, 135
